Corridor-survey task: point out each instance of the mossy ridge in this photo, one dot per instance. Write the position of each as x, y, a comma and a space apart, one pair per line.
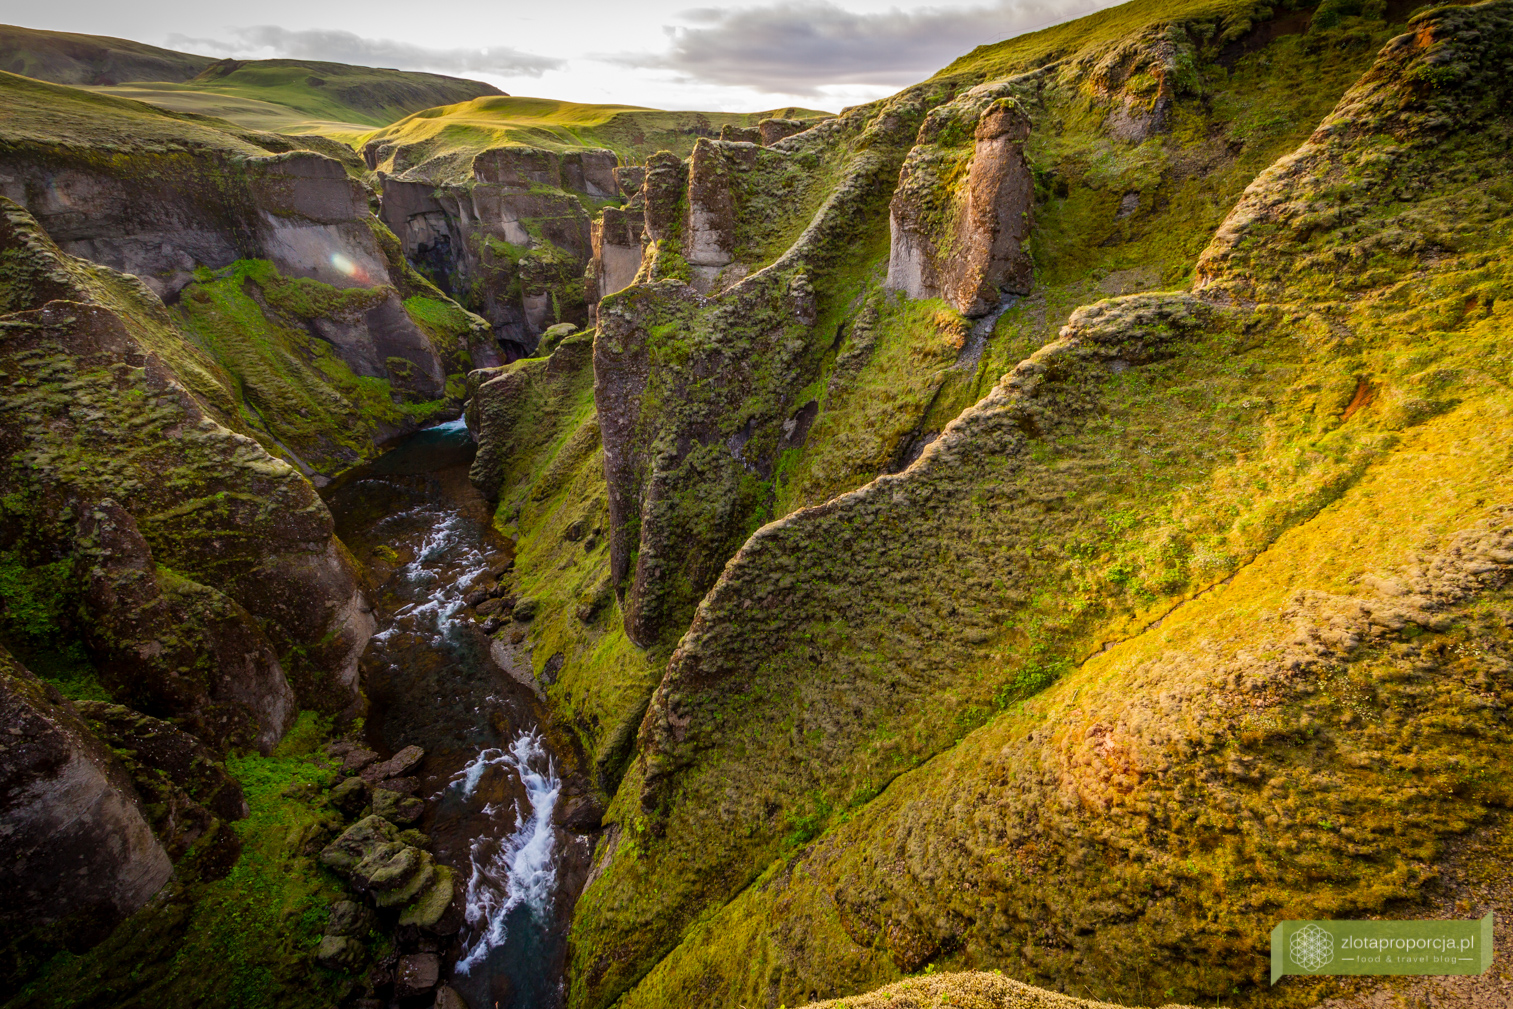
716, 441
1326, 392
245, 941
1276, 749
848, 650
1183, 180
1098, 41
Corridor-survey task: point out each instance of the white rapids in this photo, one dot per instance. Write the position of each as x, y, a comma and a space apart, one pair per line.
446, 566
518, 869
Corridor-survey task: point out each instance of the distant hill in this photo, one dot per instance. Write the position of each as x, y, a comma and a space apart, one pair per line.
306, 96
67, 58
286, 96
441, 142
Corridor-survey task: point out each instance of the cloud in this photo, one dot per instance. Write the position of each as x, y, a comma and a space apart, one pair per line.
346, 47
801, 46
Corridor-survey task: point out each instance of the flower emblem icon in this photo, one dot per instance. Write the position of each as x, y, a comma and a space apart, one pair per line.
1311, 947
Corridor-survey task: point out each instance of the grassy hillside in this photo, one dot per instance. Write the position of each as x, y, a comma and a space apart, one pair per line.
305, 96
67, 58
457, 132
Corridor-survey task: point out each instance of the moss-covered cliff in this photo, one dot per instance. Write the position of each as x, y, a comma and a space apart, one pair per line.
1148, 462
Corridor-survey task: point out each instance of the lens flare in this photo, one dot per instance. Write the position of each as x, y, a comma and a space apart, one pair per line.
343, 264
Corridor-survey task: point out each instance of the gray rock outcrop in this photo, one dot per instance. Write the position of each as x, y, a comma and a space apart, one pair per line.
75, 848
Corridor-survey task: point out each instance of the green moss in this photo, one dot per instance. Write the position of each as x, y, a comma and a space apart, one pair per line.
1167, 541
294, 390
245, 941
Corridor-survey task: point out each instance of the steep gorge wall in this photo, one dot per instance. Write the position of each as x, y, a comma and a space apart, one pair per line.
77, 856
195, 212
1144, 457
205, 573
965, 243
689, 460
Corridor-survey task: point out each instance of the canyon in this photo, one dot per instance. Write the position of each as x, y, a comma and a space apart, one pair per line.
1009, 543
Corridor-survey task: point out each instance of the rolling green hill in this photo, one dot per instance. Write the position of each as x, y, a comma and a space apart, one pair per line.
456, 132
305, 96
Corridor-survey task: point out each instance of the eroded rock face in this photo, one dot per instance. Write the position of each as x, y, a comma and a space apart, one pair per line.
75, 849
617, 236
501, 398
508, 240
159, 216
697, 365
770, 131
175, 646
966, 244
629, 179
200, 560
709, 234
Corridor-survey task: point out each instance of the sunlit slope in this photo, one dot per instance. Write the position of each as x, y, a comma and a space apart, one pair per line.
1086, 39
253, 113
455, 133
305, 96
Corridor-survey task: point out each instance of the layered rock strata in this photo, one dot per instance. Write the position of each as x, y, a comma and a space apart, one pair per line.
512, 241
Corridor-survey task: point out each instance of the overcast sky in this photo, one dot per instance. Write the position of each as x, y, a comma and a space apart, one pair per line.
660, 53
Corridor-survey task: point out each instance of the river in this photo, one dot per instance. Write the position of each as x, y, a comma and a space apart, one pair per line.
494, 779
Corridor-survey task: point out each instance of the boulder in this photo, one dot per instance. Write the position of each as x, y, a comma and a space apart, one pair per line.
356, 760
340, 952
447, 998
350, 796
401, 763
404, 786
524, 611
348, 917
432, 903
356, 843
398, 809
420, 880
416, 974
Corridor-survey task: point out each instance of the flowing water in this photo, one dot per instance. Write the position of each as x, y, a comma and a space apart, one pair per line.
492, 782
